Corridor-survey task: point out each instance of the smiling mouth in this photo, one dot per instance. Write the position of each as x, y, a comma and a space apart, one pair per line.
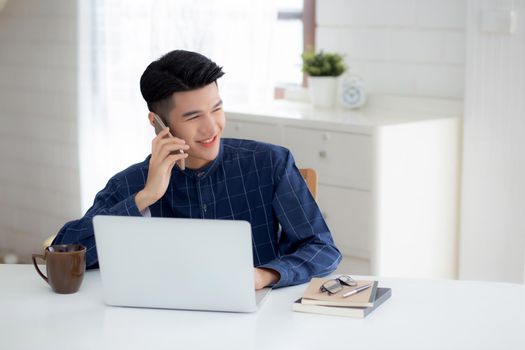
208, 142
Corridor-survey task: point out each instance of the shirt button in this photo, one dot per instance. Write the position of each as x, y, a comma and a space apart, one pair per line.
201, 174
204, 207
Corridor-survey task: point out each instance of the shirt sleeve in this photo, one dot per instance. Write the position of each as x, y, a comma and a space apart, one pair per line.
109, 201
305, 244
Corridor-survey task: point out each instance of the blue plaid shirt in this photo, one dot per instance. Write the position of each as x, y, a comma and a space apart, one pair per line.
249, 180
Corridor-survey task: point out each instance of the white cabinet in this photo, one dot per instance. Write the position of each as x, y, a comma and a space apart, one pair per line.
250, 130
343, 159
388, 179
348, 214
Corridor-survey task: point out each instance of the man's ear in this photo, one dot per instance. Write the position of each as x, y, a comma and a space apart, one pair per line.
151, 118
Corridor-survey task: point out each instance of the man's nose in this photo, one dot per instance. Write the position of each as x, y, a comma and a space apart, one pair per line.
209, 124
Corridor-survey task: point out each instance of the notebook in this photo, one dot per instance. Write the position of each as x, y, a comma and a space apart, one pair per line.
358, 312
171, 263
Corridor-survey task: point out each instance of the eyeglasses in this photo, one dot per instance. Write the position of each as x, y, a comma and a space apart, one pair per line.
336, 285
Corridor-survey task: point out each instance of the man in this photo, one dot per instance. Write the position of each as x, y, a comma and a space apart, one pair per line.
224, 178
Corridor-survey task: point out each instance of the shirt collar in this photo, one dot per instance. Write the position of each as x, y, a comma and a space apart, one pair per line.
207, 169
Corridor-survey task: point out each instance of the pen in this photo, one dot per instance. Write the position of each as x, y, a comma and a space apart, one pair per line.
357, 290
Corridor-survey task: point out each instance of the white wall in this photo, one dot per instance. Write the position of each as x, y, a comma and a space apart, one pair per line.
493, 198
39, 183
402, 47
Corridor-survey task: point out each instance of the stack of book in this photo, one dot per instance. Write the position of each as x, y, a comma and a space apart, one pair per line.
357, 305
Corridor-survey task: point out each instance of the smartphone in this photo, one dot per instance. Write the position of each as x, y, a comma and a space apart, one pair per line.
159, 126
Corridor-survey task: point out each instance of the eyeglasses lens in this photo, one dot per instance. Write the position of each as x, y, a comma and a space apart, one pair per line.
331, 287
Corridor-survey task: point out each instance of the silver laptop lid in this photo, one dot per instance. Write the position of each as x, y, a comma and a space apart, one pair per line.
176, 263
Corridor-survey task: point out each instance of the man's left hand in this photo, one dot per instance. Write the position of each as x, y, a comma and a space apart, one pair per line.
265, 277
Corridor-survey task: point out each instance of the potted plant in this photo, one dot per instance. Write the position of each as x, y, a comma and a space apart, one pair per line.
322, 69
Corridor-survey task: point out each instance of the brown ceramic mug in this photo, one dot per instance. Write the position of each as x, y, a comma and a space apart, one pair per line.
65, 265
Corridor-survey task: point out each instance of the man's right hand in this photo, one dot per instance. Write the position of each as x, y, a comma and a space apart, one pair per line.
160, 165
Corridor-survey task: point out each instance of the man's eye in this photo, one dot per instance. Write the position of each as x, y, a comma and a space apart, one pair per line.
217, 109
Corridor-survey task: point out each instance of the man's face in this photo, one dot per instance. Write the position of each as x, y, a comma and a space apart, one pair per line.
198, 118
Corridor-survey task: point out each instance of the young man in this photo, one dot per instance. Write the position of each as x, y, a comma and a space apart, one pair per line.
224, 178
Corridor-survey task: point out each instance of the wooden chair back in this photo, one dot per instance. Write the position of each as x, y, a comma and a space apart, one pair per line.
310, 176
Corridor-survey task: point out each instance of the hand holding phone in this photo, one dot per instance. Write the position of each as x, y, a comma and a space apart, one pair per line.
165, 153
159, 126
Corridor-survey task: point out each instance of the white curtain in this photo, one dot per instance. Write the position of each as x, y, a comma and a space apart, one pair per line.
118, 39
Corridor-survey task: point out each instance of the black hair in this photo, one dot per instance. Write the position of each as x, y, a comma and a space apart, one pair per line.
176, 71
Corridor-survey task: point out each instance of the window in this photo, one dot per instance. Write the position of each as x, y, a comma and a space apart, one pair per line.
258, 42
295, 19
289, 45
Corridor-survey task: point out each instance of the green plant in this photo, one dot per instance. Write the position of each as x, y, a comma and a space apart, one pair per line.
323, 64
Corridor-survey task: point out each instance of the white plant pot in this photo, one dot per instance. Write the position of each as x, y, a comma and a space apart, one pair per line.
322, 91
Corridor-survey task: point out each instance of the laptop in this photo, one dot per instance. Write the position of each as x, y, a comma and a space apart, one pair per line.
172, 263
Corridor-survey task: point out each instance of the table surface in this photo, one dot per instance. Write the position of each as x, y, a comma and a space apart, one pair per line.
379, 111
421, 314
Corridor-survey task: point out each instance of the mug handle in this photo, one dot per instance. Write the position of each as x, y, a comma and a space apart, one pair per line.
43, 257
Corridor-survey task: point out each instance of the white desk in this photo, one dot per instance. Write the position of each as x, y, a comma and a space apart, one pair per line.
422, 314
